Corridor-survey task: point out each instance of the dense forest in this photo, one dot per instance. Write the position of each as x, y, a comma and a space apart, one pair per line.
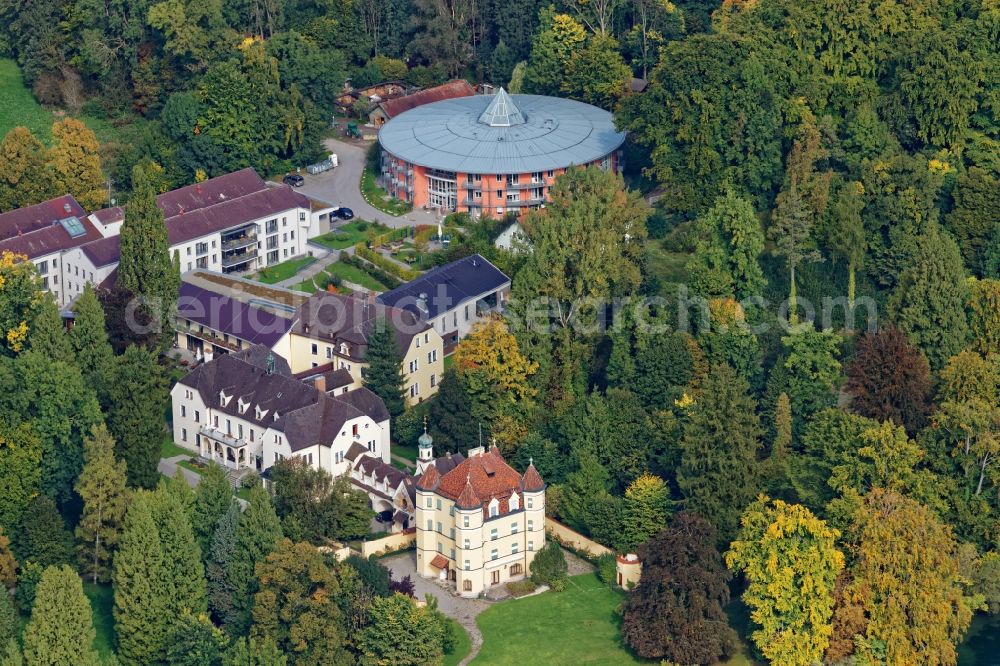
779, 382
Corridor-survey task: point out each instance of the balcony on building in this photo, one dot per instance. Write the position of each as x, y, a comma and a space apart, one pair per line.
224, 449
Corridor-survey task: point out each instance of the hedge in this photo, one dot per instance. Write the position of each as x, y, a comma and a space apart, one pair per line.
387, 265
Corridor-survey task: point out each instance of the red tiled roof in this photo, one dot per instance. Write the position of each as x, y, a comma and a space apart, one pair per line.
429, 478
108, 215
439, 562
532, 480
450, 90
468, 499
488, 474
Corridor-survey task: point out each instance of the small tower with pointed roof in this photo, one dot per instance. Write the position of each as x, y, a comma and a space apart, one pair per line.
425, 450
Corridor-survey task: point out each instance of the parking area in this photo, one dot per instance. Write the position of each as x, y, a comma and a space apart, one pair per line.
342, 187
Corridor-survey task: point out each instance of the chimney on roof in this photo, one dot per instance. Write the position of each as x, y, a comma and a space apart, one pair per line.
320, 383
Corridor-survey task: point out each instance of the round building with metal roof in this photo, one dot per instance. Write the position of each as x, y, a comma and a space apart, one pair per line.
496, 154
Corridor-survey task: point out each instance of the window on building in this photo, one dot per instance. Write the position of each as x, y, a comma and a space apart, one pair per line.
494, 554
531, 525
451, 510
184, 434
513, 548
315, 350
529, 502
183, 411
468, 567
414, 390
197, 416
467, 584
430, 525
494, 510
433, 381
271, 226
414, 364
429, 503
440, 547
272, 257
531, 545
452, 554
466, 544
516, 569
494, 534
439, 504
513, 528
440, 527
465, 521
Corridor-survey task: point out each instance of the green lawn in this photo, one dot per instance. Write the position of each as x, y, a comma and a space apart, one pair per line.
379, 198
463, 644
284, 270
408, 451
577, 626
101, 601
168, 449
354, 274
347, 235
18, 105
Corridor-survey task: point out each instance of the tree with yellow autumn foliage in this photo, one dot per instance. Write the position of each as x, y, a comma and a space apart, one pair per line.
791, 561
75, 158
20, 290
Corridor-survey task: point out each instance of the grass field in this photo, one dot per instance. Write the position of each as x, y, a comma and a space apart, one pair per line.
284, 270
347, 235
102, 601
577, 626
19, 107
462, 646
355, 275
168, 449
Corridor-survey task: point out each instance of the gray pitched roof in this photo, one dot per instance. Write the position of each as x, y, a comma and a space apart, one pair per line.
452, 135
306, 415
446, 287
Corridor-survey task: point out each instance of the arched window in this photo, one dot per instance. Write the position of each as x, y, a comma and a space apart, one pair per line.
467, 585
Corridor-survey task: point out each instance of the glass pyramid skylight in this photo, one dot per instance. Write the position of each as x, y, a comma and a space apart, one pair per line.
501, 112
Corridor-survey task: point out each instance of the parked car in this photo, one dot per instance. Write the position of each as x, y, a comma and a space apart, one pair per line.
343, 214
294, 179
384, 516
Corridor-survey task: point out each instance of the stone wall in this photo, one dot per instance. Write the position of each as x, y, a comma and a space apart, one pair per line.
575, 540
390, 544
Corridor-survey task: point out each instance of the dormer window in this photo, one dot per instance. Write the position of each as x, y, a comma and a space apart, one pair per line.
513, 502
242, 406
344, 348
224, 399
260, 413
494, 508
276, 416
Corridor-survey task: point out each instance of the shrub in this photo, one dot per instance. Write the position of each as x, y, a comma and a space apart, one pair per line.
250, 480
549, 567
607, 569
521, 588
27, 580
392, 267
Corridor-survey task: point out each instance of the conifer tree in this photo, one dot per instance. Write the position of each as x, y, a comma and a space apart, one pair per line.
450, 416
221, 550
258, 531
42, 537
142, 593
718, 472
48, 333
146, 268
212, 498
137, 424
196, 642
929, 300
61, 629
384, 374
184, 572
10, 622
254, 652
89, 340
101, 486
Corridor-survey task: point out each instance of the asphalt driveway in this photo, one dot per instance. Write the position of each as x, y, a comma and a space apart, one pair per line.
342, 187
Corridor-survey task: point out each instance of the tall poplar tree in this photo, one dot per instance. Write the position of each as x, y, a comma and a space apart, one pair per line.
137, 424
101, 486
384, 374
61, 629
146, 268
719, 473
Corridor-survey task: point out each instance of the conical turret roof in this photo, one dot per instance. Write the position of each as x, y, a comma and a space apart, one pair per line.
502, 112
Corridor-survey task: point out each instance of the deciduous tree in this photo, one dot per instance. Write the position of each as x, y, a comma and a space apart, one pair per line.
76, 162
813, 370
906, 577
677, 611
645, 510
726, 261
549, 567
20, 287
25, 176
299, 603
61, 629
8, 568
558, 38
984, 315
401, 633
597, 74
889, 379
252, 652
790, 559
101, 486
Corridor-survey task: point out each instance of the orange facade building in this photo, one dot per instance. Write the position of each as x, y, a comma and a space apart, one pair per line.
494, 154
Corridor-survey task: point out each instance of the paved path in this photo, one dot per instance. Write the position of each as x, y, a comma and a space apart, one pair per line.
168, 467
464, 611
404, 461
324, 258
342, 187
